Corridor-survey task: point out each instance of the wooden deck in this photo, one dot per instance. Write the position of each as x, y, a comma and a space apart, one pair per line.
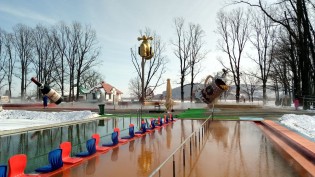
298, 147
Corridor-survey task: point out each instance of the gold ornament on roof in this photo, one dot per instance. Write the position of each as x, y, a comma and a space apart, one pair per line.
145, 49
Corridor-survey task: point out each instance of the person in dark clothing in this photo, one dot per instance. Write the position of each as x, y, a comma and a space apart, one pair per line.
45, 101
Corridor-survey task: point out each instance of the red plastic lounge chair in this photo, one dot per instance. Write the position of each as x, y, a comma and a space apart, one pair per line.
119, 139
172, 118
159, 122
66, 150
17, 165
99, 148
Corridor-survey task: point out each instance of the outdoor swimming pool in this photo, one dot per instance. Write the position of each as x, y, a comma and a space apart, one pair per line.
229, 148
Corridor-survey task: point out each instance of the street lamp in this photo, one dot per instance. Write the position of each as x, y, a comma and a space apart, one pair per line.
146, 52
114, 93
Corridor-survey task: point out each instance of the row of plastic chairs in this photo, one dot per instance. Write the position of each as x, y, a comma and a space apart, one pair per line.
57, 157
61, 155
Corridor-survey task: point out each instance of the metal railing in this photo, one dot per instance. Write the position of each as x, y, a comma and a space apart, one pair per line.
193, 136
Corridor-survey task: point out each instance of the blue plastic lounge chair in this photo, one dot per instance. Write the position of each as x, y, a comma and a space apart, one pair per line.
3, 170
152, 127
114, 140
55, 162
91, 148
122, 141
142, 130
160, 122
131, 132
166, 119
153, 124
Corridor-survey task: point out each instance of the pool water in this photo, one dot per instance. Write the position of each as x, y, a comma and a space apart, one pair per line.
228, 148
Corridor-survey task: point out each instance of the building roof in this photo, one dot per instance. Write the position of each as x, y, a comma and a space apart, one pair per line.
108, 88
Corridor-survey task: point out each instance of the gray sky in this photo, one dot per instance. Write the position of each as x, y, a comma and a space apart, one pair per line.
117, 24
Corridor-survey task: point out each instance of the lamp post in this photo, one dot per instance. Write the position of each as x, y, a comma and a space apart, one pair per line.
146, 52
114, 93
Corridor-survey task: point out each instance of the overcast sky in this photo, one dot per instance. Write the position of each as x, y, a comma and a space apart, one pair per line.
117, 24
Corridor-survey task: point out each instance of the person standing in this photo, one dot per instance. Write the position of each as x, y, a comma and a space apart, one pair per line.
45, 101
296, 103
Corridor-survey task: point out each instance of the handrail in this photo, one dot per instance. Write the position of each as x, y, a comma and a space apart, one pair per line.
181, 145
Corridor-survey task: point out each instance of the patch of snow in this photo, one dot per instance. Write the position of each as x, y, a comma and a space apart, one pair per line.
15, 119
303, 124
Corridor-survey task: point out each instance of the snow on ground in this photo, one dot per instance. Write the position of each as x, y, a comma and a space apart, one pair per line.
303, 124
15, 119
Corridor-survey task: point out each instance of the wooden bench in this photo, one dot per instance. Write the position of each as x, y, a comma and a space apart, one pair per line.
156, 104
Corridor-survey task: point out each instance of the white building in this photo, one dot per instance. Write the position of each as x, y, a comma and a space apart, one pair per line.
103, 92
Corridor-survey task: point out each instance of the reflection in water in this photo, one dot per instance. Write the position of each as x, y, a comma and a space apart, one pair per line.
132, 146
240, 149
220, 133
114, 155
101, 123
144, 159
236, 154
168, 137
160, 131
90, 168
22, 143
36, 137
263, 153
66, 173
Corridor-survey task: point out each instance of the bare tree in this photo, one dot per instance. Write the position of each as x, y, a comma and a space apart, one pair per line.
68, 46
45, 56
251, 82
197, 54
10, 59
154, 68
91, 78
294, 17
282, 71
59, 39
263, 39
52, 54
23, 46
88, 52
233, 29
135, 87
182, 51
2, 59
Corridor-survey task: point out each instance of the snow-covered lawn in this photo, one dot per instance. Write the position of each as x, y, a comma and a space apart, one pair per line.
15, 119
301, 123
